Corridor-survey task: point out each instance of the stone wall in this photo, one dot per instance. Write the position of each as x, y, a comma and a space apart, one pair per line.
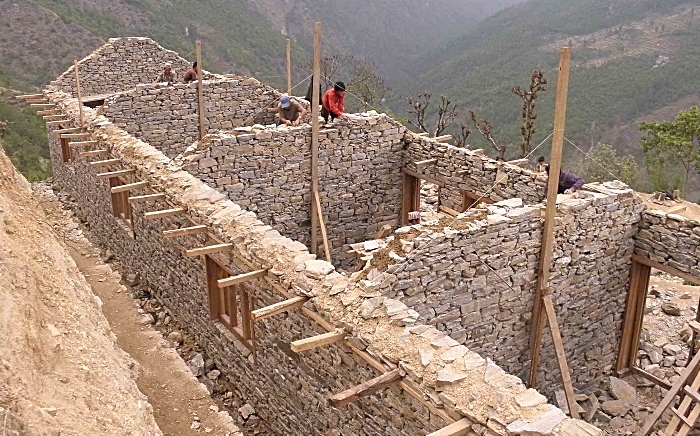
268, 171
671, 240
290, 390
120, 64
167, 116
477, 283
480, 177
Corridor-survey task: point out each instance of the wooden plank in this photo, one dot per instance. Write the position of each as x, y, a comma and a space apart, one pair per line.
315, 127
57, 122
463, 172
29, 96
53, 117
683, 408
670, 395
68, 130
459, 428
693, 394
82, 144
666, 269
115, 174
129, 187
75, 135
184, 231
448, 210
37, 100
80, 95
365, 389
424, 163
651, 377
148, 197
644, 274
163, 213
289, 67
678, 209
93, 153
200, 91
211, 249
538, 318
105, 163
561, 356
442, 138
324, 234
214, 273
423, 177
383, 232
277, 308
246, 308
49, 112
316, 341
46, 105
241, 278
422, 134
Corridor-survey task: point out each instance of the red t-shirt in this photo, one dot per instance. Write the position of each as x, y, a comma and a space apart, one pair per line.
334, 102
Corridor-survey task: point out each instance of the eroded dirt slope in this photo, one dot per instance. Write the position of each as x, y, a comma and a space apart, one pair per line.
60, 369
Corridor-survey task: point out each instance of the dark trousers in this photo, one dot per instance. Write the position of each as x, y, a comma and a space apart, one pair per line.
325, 113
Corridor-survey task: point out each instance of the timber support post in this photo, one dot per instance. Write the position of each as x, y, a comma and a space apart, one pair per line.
315, 127
77, 87
200, 91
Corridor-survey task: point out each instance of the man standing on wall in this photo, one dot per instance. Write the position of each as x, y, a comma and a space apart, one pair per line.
568, 182
191, 74
290, 111
167, 76
334, 103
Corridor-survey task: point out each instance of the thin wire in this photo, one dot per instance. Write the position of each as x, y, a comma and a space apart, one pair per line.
589, 156
408, 257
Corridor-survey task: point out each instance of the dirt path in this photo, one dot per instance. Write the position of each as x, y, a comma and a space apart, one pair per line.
181, 405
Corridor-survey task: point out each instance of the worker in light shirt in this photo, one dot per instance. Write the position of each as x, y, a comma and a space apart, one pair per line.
333, 103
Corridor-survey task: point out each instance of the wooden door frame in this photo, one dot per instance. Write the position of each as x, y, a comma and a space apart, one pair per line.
410, 192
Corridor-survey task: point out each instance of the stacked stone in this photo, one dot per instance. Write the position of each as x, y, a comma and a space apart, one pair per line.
120, 64
167, 116
477, 284
671, 240
481, 177
267, 171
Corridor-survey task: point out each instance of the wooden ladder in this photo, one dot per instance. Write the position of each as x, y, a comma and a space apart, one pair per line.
687, 413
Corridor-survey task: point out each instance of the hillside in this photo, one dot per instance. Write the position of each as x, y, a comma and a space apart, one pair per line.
630, 59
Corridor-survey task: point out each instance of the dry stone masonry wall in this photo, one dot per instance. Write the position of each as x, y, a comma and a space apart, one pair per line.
477, 283
268, 171
290, 390
671, 240
480, 177
120, 64
167, 116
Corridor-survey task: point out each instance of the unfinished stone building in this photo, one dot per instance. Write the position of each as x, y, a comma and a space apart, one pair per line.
219, 229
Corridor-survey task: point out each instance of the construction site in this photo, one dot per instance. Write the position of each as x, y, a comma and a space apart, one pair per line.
290, 259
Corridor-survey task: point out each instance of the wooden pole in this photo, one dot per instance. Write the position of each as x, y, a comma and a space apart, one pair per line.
315, 127
200, 91
77, 87
561, 356
289, 66
538, 318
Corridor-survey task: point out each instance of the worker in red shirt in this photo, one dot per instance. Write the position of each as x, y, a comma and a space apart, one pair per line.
333, 102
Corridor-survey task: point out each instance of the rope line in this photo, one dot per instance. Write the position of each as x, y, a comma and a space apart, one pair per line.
589, 157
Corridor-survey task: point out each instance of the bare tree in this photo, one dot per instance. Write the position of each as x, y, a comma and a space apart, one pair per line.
420, 105
486, 130
447, 112
461, 139
537, 84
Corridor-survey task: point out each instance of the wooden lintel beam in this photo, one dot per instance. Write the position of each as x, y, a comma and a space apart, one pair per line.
211, 249
230, 281
75, 135
316, 341
29, 96
57, 122
129, 187
440, 183
459, 428
42, 105
52, 117
443, 138
423, 134
93, 153
164, 213
68, 130
365, 389
184, 231
144, 198
104, 163
82, 144
111, 174
666, 269
49, 112
37, 101
277, 308
425, 163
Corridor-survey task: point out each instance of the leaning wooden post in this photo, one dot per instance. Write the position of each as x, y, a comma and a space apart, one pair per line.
200, 91
77, 87
538, 315
315, 127
289, 67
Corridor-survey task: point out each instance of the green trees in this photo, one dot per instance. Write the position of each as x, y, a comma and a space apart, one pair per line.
671, 148
604, 158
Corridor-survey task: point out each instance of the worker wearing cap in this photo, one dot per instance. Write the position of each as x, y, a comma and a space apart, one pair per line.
167, 75
290, 111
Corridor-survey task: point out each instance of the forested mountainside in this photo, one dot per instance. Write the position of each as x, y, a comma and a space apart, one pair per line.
631, 60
